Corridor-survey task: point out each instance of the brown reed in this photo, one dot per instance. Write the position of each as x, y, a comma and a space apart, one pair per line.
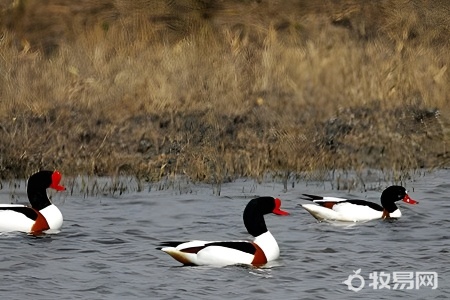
219, 90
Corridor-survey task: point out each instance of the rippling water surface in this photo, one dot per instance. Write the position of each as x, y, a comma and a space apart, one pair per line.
106, 249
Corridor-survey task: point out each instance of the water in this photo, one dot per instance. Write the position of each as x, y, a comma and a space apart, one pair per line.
106, 249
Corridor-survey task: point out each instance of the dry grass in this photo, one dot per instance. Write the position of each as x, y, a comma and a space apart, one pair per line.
218, 90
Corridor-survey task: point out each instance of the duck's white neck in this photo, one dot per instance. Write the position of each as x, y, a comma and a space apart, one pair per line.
396, 214
269, 245
53, 216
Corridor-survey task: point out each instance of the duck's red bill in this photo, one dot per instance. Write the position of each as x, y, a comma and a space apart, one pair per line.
56, 178
277, 210
409, 200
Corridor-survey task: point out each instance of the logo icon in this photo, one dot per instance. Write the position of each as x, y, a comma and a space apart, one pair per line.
350, 279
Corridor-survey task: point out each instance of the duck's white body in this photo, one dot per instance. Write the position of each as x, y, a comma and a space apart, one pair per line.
11, 220
211, 255
347, 212
219, 255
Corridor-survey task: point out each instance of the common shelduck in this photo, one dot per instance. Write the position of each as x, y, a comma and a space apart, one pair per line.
340, 209
263, 249
42, 216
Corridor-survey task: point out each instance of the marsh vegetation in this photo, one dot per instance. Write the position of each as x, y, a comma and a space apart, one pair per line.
217, 90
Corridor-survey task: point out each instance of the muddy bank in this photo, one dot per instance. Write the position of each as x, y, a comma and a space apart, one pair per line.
208, 146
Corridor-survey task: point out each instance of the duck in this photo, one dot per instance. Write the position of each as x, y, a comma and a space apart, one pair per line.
264, 248
41, 216
354, 210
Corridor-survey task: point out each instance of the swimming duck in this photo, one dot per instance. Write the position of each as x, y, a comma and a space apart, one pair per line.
42, 215
353, 210
261, 250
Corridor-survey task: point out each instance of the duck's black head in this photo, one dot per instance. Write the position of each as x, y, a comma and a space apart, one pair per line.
256, 209
37, 185
393, 194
